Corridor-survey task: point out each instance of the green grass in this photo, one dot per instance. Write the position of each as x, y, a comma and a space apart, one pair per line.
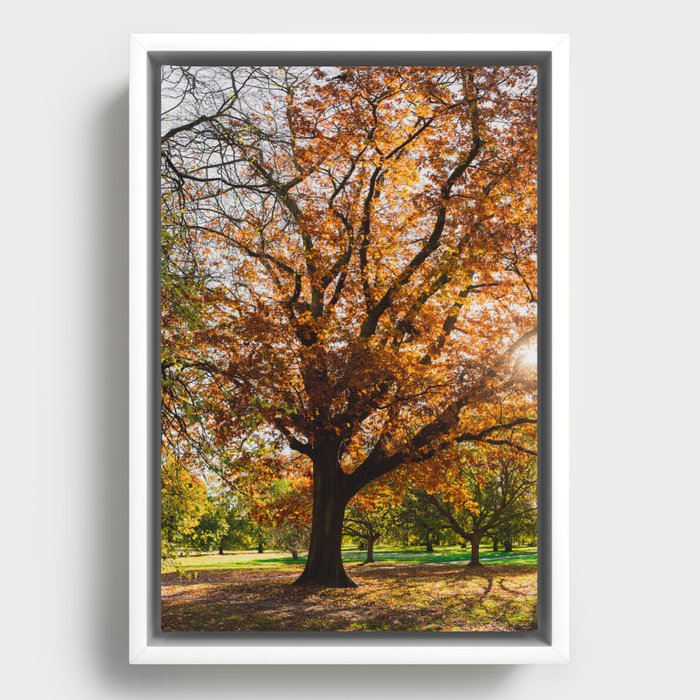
388, 555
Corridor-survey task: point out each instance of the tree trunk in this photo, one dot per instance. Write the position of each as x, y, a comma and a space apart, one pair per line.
495, 543
324, 566
258, 532
508, 544
475, 542
370, 549
295, 554
429, 544
221, 547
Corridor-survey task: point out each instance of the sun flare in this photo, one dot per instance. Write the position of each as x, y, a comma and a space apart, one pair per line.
529, 357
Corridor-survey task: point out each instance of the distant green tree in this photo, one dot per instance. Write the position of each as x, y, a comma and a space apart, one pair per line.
495, 493
212, 527
183, 503
292, 538
422, 524
242, 532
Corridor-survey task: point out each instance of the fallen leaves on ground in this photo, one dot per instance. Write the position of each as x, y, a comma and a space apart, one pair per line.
447, 598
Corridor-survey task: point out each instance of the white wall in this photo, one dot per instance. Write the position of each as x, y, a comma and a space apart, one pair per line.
63, 266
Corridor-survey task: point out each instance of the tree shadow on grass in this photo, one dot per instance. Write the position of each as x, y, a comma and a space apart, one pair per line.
435, 598
457, 570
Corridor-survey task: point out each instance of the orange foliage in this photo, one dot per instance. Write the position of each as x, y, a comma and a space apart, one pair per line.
350, 266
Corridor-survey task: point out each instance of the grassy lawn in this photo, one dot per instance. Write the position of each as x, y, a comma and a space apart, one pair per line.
405, 590
388, 555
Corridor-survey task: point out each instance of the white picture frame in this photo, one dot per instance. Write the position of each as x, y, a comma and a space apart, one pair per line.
551, 646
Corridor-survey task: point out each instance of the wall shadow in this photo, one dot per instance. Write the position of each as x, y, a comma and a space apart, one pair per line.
108, 506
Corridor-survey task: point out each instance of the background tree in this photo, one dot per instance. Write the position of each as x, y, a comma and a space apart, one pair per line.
284, 510
242, 532
421, 522
372, 514
350, 257
522, 529
183, 501
213, 525
495, 492
291, 537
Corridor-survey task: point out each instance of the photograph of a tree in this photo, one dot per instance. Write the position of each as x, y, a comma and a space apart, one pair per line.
349, 286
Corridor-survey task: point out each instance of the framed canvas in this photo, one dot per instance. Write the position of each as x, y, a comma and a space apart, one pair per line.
348, 343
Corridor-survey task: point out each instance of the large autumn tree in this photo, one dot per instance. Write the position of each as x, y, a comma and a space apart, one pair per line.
349, 271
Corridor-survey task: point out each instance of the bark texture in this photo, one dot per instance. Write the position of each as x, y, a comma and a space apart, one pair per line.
324, 566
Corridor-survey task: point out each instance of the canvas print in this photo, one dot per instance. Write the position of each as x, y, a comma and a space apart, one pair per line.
349, 306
